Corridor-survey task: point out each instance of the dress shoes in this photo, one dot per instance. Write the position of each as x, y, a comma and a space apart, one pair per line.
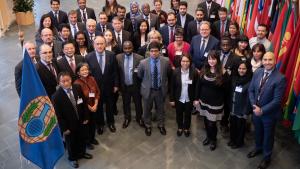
205, 142
230, 143
90, 146
87, 156
95, 142
126, 123
254, 153
112, 128
100, 130
264, 164
162, 130
187, 133
74, 164
213, 146
141, 123
179, 132
148, 131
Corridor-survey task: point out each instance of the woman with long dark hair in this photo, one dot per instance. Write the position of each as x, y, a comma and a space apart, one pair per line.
45, 22
258, 51
140, 36
110, 9
242, 51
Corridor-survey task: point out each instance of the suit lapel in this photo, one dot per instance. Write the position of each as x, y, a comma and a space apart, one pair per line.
122, 60
66, 64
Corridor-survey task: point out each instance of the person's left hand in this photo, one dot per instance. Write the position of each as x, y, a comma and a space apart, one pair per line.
257, 110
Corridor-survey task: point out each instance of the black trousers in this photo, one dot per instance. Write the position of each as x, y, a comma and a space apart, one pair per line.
133, 92
237, 130
75, 143
108, 101
225, 118
116, 97
92, 127
211, 129
183, 114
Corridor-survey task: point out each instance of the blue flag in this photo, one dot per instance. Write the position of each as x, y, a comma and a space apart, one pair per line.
40, 139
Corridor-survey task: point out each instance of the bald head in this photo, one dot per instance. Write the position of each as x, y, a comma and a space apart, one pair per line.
47, 36
46, 53
269, 61
30, 47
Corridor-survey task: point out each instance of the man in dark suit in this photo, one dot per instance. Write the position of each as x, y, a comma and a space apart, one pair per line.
103, 66
211, 9
221, 26
91, 31
129, 82
47, 69
30, 47
64, 33
72, 115
153, 20
194, 26
183, 18
154, 72
47, 38
69, 61
74, 24
202, 44
120, 34
57, 16
168, 31
127, 25
103, 24
265, 93
84, 13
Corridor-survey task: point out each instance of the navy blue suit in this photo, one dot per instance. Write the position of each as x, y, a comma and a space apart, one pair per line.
198, 60
164, 31
270, 104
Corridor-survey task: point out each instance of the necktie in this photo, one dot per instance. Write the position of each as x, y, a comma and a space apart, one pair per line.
198, 26
172, 35
202, 48
103, 28
262, 83
92, 37
72, 64
56, 16
52, 70
147, 19
127, 70
84, 16
208, 11
222, 27
101, 63
73, 101
119, 40
74, 29
155, 75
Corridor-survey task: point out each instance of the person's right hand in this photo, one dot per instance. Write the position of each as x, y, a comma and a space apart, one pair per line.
67, 132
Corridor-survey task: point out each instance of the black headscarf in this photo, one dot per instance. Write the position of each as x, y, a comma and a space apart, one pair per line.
241, 80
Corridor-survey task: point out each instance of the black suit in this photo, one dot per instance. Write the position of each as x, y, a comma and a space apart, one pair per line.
62, 18
106, 82
183, 110
137, 40
213, 15
107, 26
79, 26
48, 79
130, 91
188, 19
70, 119
91, 42
126, 36
164, 31
192, 30
127, 26
216, 28
89, 12
64, 66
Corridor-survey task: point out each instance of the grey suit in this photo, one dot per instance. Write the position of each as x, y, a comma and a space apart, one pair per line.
151, 95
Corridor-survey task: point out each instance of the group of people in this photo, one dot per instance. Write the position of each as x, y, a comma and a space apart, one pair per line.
201, 62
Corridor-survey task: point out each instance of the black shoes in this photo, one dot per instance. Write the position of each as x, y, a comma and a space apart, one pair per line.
94, 142
141, 123
112, 128
264, 164
179, 132
87, 156
162, 130
205, 142
126, 123
90, 146
213, 146
148, 131
100, 130
254, 153
74, 164
187, 133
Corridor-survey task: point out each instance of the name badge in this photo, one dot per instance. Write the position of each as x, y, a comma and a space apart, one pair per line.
205, 54
213, 16
178, 53
238, 89
91, 94
79, 101
136, 70
163, 51
189, 81
58, 58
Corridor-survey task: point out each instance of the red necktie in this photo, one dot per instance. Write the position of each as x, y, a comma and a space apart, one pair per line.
172, 35
222, 28
72, 65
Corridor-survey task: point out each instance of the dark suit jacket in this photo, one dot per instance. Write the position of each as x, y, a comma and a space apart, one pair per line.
64, 66
188, 19
109, 78
57, 45
192, 30
137, 40
81, 27
48, 79
271, 95
154, 21
213, 11
164, 31
216, 27
128, 25
126, 36
90, 42
136, 61
198, 60
65, 112
62, 17
107, 26
176, 84
90, 13
231, 63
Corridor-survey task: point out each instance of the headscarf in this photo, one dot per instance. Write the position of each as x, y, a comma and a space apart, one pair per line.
241, 80
133, 15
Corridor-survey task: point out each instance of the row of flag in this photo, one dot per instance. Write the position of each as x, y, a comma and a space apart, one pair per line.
280, 17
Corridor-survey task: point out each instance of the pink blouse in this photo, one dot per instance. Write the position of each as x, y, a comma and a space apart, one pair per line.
172, 51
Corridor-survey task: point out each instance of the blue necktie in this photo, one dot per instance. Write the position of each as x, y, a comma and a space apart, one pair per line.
100, 62
155, 75
127, 71
202, 49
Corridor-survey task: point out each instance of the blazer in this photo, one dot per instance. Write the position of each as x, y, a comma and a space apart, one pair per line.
191, 30
154, 21
109, 79
188, 19
62, 18
48, 79
144, 73
176, 84
162, 16
126, 36
65, 112
271, 93
216, 27
127, 25
64, 66
137, 41
136, 61
164, 31
231, 63
107, 26
90, 14
91, 42
214, 8
80, 26
198, 60
57, 47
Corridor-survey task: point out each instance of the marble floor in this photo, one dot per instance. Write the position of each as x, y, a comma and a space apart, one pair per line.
130, 148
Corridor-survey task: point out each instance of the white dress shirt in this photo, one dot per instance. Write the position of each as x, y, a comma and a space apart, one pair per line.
184, 96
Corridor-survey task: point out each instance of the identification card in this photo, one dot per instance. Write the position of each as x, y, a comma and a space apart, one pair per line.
213, 16
136, 70
58, 58
163, 51
79, 101
189, 81
178, 53
238, 89
205, 54
91, 94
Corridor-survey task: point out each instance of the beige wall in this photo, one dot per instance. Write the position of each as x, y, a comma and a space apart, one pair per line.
6, 15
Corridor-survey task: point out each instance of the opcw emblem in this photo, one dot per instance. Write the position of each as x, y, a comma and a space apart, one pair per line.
37, 120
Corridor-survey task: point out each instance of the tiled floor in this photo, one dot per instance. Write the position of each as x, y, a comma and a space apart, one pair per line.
130, 148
